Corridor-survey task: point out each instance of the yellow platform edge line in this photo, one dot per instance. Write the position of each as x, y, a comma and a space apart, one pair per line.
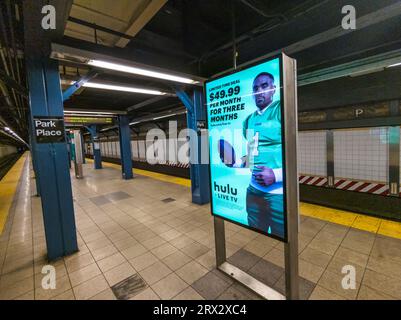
345, 218
8, 188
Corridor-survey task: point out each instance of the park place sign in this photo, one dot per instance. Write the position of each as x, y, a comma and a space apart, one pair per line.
49, 129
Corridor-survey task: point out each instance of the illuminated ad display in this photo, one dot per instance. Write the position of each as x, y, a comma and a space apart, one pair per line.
246, 147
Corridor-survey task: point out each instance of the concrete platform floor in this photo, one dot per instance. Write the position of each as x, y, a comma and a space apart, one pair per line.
144, 239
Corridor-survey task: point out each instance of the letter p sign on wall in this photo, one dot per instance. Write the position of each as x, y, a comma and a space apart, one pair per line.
49, 129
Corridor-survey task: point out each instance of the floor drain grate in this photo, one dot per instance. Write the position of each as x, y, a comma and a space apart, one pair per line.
129, 287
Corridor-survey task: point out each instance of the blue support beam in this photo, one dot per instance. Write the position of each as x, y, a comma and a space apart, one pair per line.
78, 84
185, 99
51, 159
199, 171
124, 133
97, 155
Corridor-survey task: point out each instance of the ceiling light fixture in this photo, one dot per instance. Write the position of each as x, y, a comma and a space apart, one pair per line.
122, 88
140, 71
112, 87
394, 65
165, 116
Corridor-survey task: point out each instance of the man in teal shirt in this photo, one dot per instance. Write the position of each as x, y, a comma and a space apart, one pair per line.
262, 130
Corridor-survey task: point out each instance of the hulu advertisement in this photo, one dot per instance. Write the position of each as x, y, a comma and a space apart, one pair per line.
246, 148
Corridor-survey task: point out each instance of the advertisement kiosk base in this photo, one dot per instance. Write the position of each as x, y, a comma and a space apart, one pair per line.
237, 274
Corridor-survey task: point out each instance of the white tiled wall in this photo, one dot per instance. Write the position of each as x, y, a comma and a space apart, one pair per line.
134, 149
142, 149
361, 154
312, 153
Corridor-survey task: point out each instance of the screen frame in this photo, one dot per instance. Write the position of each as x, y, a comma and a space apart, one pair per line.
283, 151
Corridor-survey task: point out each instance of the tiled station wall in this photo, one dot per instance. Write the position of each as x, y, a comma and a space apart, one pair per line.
361, 157
143, 149
361, 154
312, 153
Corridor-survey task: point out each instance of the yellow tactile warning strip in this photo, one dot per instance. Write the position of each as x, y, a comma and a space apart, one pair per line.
358, 221
345, 218
154, 175
8, 187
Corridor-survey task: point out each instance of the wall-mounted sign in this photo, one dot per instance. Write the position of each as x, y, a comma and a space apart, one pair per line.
49, 129
246, 141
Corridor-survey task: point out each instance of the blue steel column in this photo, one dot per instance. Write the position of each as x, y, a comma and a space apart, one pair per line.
97, 156
51, 158
124, 133
199, 172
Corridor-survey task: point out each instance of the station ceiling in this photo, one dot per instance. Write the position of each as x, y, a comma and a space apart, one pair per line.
196, 37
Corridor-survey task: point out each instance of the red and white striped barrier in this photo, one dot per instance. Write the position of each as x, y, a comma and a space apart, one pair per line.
361, 186
349, 185
313, 180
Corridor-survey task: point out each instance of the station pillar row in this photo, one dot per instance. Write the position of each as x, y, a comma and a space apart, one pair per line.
97, 155
124, 134
50, 159
199, 167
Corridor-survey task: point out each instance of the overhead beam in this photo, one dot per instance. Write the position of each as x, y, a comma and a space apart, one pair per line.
99, 15
68, 53
78, 84
363, 22
145, 103
147, 39
140, 55
185, 99
140, 20
358, 67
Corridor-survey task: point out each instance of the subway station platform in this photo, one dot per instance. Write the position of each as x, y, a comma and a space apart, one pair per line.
144, 239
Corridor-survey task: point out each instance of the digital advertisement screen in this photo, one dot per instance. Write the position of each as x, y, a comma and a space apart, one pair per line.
246, 136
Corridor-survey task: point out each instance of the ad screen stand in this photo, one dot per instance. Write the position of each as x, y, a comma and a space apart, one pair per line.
291, 245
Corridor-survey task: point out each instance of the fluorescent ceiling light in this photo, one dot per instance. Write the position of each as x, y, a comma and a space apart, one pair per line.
121, 88
109, 128
105, 86
166, 116
135, 122
139, 71
394, 65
